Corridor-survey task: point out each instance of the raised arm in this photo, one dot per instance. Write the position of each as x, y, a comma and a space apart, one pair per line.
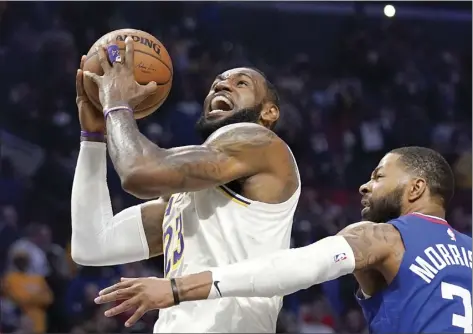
148, 171
361, 246
98, 237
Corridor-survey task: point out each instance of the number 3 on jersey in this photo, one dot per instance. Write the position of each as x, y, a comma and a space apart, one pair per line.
449, 291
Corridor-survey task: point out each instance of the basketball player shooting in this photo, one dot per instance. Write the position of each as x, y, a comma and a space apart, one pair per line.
227, 200
414, 270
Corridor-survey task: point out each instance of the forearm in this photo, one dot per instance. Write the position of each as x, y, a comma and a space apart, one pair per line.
98, 237
278, 274
127, 146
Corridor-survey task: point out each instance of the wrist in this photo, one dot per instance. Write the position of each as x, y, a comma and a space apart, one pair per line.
195, 286
119, 108
115, 103
92, 136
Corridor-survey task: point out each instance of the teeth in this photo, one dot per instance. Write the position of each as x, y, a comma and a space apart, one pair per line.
217, 102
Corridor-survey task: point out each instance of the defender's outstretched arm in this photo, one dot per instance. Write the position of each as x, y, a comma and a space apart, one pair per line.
357, 247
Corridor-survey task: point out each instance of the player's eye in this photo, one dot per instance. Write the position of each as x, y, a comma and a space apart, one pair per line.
242, 83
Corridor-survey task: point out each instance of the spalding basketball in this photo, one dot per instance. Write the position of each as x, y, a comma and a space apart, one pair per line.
152, 63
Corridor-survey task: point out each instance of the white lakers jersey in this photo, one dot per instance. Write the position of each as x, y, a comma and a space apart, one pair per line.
216, 227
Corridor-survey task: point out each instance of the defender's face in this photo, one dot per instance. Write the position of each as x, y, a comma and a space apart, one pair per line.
383, 194
235, 96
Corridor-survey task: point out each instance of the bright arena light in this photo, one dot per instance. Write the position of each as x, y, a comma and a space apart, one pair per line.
389, 10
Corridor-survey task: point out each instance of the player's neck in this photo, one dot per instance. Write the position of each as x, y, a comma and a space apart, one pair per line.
429, 210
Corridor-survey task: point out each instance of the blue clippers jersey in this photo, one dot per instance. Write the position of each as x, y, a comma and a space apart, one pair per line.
431, 293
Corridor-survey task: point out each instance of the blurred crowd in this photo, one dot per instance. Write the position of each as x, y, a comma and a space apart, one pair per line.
352, 87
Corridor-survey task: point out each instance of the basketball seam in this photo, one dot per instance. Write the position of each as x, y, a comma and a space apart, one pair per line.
148, 54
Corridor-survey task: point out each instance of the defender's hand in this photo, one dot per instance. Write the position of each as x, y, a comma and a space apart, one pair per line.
142, 294
91, 119
118, 85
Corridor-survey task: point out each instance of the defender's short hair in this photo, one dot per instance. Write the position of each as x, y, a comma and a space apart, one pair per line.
432, 166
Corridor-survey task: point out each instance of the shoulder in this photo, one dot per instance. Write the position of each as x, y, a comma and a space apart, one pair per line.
243, 136
372, 243
377, 236
371, 230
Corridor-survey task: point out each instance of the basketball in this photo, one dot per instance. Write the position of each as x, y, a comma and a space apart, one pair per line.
152, 63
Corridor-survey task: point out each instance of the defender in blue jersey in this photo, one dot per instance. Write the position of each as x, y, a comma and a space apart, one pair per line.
413, 268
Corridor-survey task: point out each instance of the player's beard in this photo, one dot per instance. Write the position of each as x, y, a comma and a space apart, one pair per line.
384, 209
205, 127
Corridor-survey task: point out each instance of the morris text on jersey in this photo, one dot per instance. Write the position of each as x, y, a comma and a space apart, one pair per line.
439, 257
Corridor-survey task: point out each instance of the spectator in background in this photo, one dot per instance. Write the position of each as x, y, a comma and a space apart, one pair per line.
36, 238
28, 291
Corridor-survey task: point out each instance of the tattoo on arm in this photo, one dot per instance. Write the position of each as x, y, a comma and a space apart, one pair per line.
152, 171
226, 156
125, 143
152, 214
371, 243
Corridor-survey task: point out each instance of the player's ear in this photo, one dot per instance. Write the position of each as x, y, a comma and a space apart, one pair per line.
417, 188
269, 114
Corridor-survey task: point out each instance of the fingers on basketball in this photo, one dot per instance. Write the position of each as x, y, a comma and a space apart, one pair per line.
82, 61
80, 79
94, 77
103, 60
129, 53
150, 88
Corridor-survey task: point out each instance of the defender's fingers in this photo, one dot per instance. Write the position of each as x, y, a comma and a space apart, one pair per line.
117, 286
139, 313
120, 294
123, 307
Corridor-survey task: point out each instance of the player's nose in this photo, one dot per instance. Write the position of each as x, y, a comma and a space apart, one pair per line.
364, 188
222, 86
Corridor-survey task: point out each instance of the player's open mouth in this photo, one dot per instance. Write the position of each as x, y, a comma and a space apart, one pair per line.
365, 203
220, 104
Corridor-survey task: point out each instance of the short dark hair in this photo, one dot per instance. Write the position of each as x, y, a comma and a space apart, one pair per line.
431, 165
272, 94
